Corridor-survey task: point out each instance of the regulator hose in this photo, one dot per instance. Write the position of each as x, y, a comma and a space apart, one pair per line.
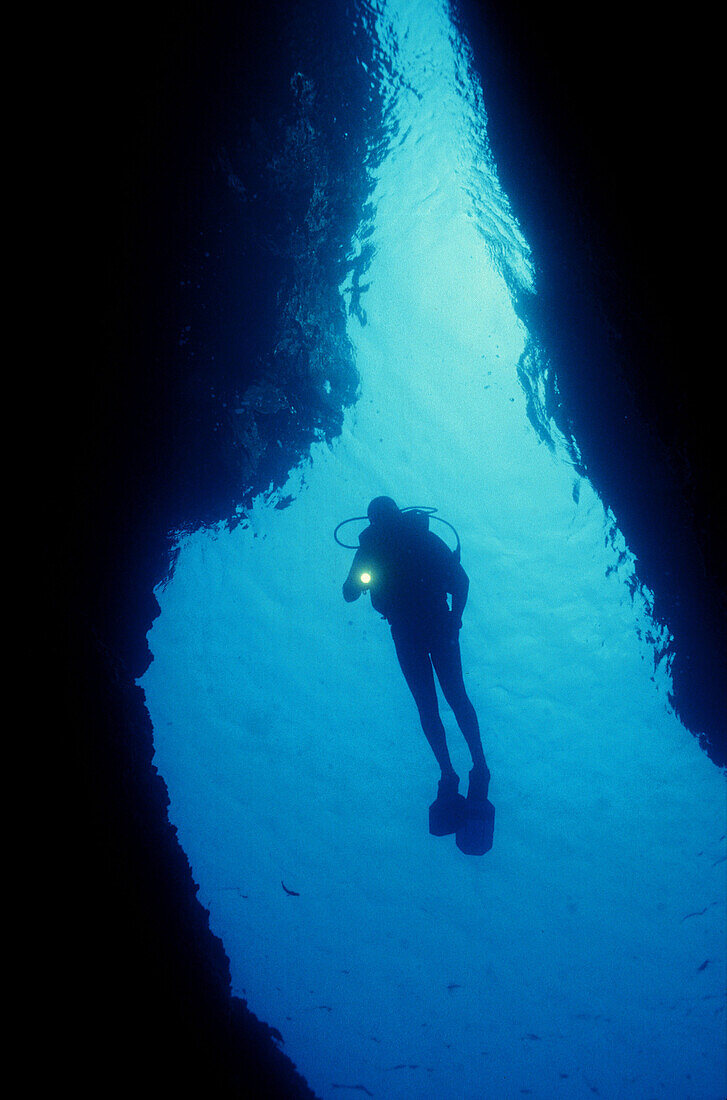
429, 512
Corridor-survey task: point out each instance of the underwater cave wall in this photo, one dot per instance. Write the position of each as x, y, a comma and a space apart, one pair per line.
211, 185
226, 178
599, 127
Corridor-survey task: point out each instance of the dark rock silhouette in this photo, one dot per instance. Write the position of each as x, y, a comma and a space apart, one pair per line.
143, 437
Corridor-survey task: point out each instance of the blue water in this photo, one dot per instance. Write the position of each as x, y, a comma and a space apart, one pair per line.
570, 960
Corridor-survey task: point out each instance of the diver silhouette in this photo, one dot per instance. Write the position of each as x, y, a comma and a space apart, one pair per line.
408, 572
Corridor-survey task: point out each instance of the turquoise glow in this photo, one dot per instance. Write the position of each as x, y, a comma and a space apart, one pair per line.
570, 958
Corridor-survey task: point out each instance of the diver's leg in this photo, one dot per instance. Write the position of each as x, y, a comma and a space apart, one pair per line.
417, 668
448, 666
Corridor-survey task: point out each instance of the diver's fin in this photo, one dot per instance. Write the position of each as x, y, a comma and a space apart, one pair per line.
446, 818
476, 832
446, 813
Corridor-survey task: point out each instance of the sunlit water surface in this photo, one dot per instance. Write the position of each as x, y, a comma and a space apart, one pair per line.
585, 953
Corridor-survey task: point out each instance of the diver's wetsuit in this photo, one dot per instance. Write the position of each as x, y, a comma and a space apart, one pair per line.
411, 571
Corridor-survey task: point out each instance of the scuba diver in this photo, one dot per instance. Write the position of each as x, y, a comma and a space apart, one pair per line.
408, 572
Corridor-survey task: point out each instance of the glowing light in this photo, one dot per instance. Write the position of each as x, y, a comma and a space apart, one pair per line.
365, 578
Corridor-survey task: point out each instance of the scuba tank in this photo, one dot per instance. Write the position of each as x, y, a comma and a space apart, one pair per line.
420, 517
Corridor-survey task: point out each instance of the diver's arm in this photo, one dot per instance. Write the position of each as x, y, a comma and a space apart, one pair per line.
352, 586
460, 589
351, 591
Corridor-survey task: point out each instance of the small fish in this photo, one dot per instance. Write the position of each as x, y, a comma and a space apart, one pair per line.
293, 893
704, 965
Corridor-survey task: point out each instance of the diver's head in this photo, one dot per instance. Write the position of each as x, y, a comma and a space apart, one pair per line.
383, 512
